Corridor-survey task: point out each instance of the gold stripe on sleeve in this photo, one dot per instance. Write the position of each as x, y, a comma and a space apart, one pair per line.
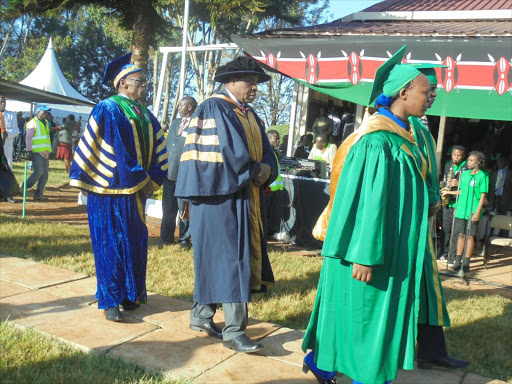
100, 140
159, 134
94, 160
204, 124
109, 191
194, 138
88, 138
161, 146
162, 158
150, 150
93, 175
136, 142
211, 157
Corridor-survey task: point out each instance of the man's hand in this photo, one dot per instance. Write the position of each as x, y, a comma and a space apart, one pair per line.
361, 272
263, 175
475, 217
148, 190
433, 209
29, 156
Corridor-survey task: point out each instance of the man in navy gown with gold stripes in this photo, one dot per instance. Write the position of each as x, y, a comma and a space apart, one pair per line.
226, 163
120, 161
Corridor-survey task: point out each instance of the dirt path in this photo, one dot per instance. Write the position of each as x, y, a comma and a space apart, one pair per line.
61, 206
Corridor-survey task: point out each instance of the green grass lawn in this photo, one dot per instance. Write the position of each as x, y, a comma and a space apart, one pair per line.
56, 173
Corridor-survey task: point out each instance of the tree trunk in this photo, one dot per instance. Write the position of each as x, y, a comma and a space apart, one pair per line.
27, 30
143, 29
6, 39
168, 82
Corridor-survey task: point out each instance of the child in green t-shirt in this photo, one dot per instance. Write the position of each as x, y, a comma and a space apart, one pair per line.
473, 187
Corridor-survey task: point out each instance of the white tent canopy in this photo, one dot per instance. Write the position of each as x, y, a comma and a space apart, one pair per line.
48, 77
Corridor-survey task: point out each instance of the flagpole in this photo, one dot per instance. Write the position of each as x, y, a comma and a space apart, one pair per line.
184, 51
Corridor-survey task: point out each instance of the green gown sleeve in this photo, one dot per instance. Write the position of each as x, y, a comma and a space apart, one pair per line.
361, 204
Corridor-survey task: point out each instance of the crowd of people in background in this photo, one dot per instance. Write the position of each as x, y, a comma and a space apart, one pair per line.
37, 140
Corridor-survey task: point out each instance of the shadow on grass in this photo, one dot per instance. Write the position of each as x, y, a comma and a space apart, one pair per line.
18, 240
484, 341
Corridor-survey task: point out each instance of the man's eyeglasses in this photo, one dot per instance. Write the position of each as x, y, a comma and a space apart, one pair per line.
143, 81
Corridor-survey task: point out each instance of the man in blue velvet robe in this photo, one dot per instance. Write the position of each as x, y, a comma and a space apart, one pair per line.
120, 161
226, 163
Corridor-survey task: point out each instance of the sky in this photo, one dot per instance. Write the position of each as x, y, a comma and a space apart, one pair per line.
342, 8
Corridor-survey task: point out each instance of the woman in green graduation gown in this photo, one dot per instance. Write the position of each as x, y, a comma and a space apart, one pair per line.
364, 321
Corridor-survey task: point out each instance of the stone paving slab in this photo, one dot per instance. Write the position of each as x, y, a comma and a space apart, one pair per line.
82, 290
254, 368
471, 378
35, 307
160, 310
9, 289
256, 329
88, 329
284, 345
178, 353
34, 275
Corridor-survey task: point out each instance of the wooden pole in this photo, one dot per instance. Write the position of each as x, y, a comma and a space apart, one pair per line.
293, 118
440, 142
183, 74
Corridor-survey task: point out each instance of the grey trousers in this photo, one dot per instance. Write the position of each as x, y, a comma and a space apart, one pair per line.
235, 314
40, 174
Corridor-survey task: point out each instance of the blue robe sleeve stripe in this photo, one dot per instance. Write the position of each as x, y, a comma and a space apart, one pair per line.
94, 160
95, 129
201, 131
92, 139
202, 148
91, 173
160, 146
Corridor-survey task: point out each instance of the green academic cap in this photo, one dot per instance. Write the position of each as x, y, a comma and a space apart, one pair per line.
392, 76
428, 70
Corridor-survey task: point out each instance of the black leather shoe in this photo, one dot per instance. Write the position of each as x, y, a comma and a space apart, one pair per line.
128, 305
243, 344
458, 263
113, 314
444, 362
209, 328
185, 245
162, 244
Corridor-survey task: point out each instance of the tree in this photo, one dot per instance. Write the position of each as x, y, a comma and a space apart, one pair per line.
140, 17
81, 47
274, 99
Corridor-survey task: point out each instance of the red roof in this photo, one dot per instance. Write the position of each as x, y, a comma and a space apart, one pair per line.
438, 5
412, 28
